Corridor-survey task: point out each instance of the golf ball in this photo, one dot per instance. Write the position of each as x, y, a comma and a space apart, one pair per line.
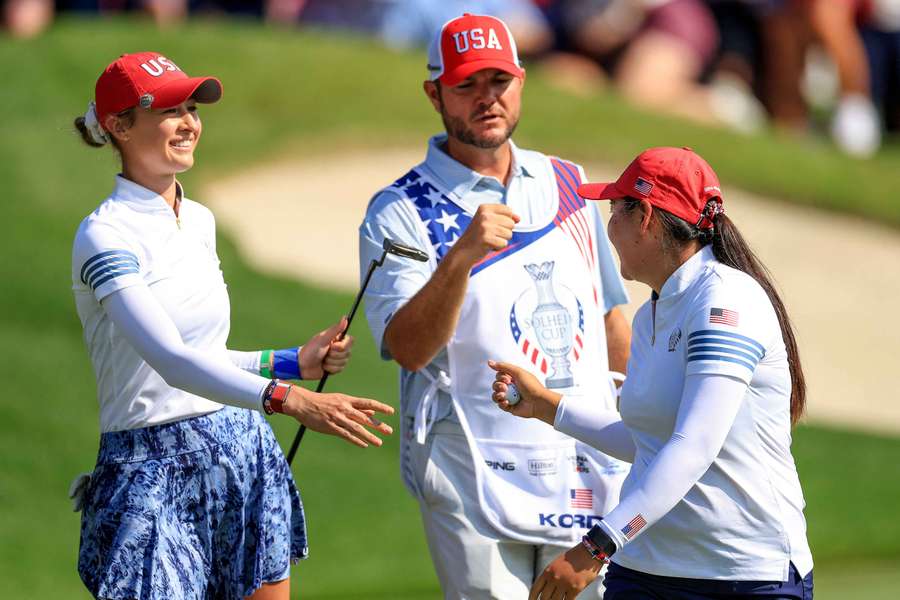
512, 394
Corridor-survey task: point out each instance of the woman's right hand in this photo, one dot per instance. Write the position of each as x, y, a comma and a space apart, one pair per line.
339, 414
535, 401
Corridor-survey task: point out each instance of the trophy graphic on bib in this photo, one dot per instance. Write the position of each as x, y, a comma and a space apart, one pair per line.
552, 325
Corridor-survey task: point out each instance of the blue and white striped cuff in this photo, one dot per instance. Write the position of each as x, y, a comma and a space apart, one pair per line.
714, 344
106, 266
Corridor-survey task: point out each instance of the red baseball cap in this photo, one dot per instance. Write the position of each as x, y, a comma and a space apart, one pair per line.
677, 180
149, 80
471, 43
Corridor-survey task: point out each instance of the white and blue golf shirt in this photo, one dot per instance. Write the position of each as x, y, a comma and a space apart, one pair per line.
743, 519
134, 239
530, 193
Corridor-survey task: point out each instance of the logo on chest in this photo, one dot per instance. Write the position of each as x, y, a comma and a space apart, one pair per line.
579, 463
547, 323
674, 339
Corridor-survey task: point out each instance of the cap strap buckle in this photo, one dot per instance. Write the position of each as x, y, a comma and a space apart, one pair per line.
713, 207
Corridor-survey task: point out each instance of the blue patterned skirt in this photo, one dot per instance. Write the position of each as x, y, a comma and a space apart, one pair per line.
196, 509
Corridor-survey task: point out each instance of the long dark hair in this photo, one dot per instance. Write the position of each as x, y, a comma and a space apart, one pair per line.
730, 248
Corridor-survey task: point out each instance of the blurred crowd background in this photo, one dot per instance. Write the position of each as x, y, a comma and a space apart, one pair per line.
800, 66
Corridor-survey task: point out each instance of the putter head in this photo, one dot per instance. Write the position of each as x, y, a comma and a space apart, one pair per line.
392, 247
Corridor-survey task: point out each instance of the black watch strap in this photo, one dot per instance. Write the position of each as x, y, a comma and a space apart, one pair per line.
598, 536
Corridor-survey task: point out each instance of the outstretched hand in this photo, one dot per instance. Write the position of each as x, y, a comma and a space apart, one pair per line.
535, 401
339, 414
324, 352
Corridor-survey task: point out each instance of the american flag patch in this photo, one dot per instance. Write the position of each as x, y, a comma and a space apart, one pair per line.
633, 526
581, 498
723, 316
642, 186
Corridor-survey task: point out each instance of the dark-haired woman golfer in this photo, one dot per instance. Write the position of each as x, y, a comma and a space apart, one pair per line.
712, 506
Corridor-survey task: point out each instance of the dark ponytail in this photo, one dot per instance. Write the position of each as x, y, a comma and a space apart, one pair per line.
730, 248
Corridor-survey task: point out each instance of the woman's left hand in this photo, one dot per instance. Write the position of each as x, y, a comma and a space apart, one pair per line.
325, 353
566, 576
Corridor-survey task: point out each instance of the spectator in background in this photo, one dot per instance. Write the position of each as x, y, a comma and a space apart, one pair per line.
863, 39
655, 52
409, 23
762, 52
27, 18
286, 12
165, 12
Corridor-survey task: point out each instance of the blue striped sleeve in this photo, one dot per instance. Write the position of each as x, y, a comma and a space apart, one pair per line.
108, 265
726, 347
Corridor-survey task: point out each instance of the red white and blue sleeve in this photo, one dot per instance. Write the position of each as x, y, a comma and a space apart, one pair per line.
728, 332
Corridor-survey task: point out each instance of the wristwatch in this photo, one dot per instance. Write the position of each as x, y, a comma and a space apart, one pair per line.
274, 396
598, 543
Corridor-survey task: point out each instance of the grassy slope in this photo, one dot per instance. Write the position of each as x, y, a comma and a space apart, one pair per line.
276, 87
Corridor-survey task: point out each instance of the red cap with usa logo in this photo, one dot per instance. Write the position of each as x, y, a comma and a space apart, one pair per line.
677, 180
149, 80
470, 43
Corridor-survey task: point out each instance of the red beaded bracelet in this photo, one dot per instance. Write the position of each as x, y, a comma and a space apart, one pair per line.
595, 551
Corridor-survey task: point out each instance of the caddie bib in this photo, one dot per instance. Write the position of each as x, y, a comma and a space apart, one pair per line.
535, 303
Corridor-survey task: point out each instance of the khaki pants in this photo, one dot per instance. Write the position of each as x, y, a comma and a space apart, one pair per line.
471, 563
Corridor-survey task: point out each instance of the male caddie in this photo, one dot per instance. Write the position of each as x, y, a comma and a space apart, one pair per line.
520, 270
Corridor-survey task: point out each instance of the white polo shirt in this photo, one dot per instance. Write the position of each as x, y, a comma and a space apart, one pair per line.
743, 519
134, 238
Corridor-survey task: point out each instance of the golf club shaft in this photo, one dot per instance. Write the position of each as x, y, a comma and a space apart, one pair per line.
374, 265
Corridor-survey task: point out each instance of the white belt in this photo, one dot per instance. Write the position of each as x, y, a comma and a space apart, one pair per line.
427, 411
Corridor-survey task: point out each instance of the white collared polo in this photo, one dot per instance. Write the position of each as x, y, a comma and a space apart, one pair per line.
743, 519
134, 238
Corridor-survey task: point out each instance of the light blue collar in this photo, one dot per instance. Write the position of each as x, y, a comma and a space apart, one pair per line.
458, 178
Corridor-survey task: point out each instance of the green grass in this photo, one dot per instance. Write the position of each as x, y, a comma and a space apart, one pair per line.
304, 94
863, 581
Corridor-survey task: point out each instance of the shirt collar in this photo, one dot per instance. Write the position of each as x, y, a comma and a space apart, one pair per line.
688, 272
141, 198
457, 177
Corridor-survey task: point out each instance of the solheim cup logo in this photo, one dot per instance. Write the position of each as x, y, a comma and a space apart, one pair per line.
551, 324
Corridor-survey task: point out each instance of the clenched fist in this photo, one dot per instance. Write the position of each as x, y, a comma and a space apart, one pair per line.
491, 229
